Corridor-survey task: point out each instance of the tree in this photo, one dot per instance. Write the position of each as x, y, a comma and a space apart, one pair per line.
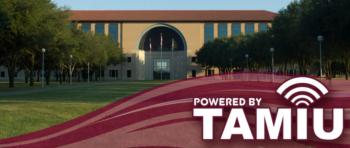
26, 28
331, 19
258, 46
220, 53
292, 46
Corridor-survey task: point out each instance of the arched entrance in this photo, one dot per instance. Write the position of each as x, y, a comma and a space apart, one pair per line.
165, 53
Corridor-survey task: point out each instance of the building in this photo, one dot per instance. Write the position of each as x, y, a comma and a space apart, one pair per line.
162, 44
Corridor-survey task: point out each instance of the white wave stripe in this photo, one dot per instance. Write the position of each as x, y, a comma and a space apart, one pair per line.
187, 100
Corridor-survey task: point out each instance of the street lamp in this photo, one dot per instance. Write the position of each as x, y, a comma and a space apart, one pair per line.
272, 50
247, 59
43, 67
320, 40
70, 69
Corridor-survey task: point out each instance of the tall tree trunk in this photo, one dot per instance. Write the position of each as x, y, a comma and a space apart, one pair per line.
38, 76
31, 69
11, 69
79, 74
26, 75
346, 66
285, 67
328, 69
47, 76
61, 74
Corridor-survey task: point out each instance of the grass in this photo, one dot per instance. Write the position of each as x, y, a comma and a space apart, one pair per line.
25, 109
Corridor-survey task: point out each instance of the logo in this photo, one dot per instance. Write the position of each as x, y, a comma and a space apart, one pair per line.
272, 124
302, 90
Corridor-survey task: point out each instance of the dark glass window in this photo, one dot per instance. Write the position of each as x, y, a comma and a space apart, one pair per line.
113, 31
111, 73
249, 28
161, 69
86, 27
222, 30
208, 32
128, 73
100, 28
194, 73
2, 74
210, 72
263, 27
236, 29
129, 59
194, 59
162, 39
162, 65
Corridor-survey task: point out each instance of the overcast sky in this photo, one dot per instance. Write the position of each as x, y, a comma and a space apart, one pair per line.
271, 5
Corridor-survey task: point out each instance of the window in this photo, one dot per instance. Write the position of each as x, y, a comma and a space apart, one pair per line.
86, 27
263, 27
71, 25
222, 30
162, 65
210, 72
113, 31
249, 28
236, 29
2, 74
128, 73
194, 73
129, 59
112, 73
194, 59
208, 32
102, 73
161, 69
116, 73
100, 28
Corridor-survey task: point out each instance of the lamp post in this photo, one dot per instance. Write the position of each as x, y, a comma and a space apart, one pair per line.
272, 50
247, 60
320, 40
70, 69
43, 67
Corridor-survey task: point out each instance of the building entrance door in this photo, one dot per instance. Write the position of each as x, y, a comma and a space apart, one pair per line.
161, 69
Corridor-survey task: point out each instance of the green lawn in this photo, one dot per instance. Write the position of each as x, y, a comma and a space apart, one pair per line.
24, 109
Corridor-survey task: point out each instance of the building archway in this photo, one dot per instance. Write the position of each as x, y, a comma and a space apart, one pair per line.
165, 53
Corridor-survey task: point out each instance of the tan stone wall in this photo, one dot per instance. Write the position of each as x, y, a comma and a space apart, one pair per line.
130, 34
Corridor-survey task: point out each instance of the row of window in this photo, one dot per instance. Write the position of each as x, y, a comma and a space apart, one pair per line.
115, 73
100, 29
236, 29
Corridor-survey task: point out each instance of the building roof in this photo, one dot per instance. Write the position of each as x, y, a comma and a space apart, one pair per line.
171, 15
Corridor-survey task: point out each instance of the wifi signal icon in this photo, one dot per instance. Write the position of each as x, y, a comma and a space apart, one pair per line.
301, 90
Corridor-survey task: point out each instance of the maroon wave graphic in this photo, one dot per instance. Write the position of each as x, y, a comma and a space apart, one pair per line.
162, 116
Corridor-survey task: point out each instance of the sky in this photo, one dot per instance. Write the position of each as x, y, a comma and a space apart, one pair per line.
271, 5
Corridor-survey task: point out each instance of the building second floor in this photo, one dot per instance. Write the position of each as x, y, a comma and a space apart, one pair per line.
128, 28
